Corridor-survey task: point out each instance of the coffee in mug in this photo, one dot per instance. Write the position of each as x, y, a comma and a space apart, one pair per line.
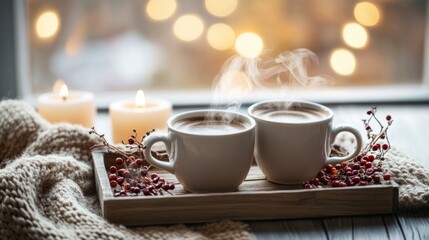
293, 139
209, 150
209, 125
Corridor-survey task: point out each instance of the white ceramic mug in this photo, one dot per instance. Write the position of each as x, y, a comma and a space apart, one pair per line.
293, 139
209, 160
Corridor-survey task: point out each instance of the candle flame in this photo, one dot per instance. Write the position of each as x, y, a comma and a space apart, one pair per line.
64, 92
57, 85
140, 99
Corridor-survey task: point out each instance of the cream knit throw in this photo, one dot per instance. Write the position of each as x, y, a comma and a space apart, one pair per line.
47, 187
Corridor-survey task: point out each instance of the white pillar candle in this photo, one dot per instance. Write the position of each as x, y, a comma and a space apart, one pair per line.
139, 114
75, 107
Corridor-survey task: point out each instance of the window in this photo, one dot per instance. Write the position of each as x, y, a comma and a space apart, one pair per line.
175, 49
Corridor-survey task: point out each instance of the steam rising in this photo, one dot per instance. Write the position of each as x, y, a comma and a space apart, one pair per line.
240, 75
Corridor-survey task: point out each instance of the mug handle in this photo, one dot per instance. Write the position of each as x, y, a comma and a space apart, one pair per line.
149, 142
355, 132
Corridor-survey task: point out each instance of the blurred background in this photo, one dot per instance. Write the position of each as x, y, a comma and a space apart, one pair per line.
113, 46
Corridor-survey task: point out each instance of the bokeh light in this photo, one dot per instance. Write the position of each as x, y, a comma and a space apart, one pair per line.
221, 8
47, 24
367, 14
249, 45
220, 36
188, 27
355, 35
161, 9
343, 61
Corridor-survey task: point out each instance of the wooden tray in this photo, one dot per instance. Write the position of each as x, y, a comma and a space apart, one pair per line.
257, 199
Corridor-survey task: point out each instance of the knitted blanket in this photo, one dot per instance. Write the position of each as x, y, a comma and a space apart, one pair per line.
47, 188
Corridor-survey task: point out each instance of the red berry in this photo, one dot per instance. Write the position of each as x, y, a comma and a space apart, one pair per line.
362, 183
113, 183
371, 158
127, 174
335, 183
388, 117
112, 169
316, 181
369, 112
119, 161
377, 178
368, 165
171, 186
138, 161
131, 158
386, 176
136, 190
120, 180
342, 184
368, 128
127, 186
334, 170
329, 167
385, 146
369, 171
383, 136
356, 179
374, 148
121, 172
356, 166
368, 179
362, 162
112, 177
131, 140
153, 175
166, 188
338, 166
348, 169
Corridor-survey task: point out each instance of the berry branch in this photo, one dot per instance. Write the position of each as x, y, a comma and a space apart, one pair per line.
128, 175
364, 169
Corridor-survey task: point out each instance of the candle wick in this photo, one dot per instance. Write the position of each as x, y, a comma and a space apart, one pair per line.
64, 98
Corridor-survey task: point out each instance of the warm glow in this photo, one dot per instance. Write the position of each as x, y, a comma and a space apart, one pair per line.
58, 85
220, 36
367, 13
140, 99
343, 61
188, 27
161, 9
249, 45
64, 92
221, 8
47, 24
355, 35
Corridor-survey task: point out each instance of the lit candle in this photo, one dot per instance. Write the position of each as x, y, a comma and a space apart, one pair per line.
141, 114
75, 107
